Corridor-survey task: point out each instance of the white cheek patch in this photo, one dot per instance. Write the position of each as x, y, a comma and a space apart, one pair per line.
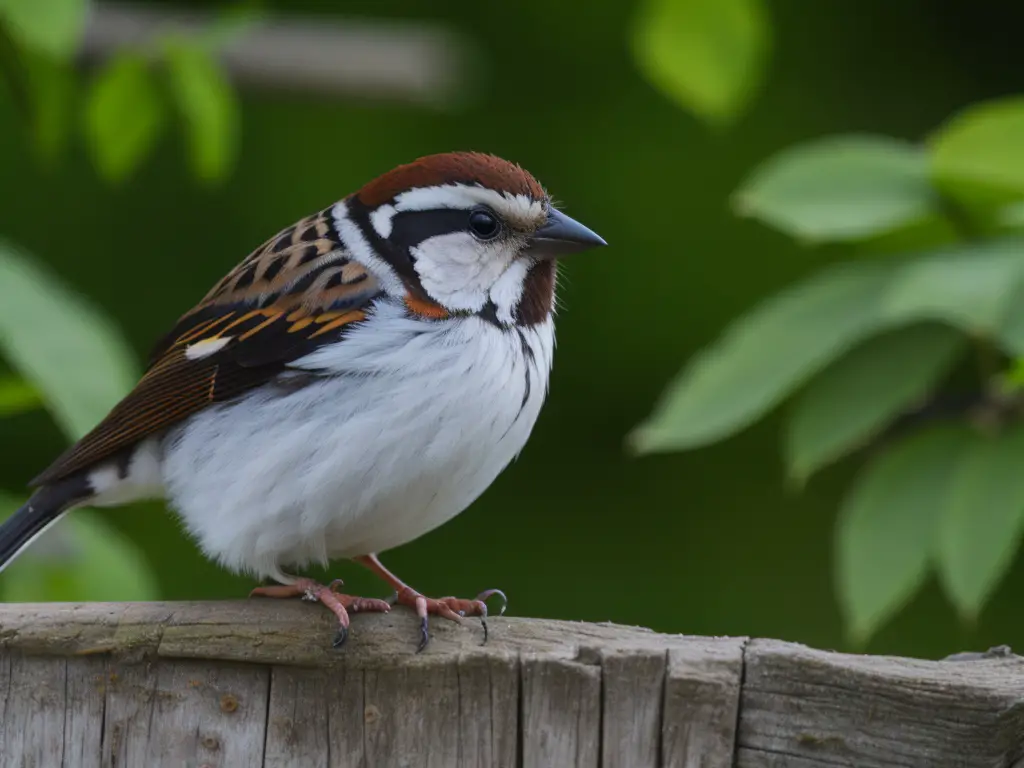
517, 209
508, 289
382, 220
206, 347
458, 271
353, 238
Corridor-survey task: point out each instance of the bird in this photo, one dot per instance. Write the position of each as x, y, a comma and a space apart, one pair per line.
355, 382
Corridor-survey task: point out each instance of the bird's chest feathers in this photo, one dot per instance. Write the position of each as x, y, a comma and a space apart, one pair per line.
420, 419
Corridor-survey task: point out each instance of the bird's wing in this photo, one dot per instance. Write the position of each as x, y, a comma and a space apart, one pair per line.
295, 293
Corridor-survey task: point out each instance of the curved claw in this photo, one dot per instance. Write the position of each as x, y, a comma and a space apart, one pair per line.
487, 594
424, 635
340, 637
393, 599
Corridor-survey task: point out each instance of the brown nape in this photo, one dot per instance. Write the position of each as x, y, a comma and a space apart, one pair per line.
538, 294
452, 168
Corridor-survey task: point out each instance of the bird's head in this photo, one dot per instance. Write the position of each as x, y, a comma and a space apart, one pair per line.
463, 233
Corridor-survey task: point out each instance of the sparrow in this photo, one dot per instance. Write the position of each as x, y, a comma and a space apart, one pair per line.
355, 382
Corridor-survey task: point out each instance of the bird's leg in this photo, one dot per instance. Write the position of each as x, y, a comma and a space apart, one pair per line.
451, 608
339, 604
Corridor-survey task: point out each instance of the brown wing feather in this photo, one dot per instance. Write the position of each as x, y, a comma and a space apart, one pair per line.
293, 303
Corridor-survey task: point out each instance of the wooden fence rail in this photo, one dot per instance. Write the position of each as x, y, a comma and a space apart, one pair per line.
256, 683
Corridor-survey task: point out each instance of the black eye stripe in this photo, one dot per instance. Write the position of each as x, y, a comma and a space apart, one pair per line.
410, 228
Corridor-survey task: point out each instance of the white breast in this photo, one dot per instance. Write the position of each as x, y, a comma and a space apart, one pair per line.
415, 421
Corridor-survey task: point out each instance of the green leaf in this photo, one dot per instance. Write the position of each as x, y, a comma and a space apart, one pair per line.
972, 286
887, 526
51, 84
708, 55
982, 520
764, 355
123, 117
979, 153
856, 397
1012, 215
60, 343
1011, 330
207, 104
17, 396
82, 558
840, 188
53, 27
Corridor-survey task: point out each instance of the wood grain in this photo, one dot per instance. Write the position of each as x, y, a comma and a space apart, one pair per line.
257, 683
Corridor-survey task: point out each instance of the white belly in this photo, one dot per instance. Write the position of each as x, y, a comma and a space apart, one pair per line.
419, 421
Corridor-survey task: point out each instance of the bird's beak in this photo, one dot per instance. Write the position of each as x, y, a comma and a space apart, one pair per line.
561, 236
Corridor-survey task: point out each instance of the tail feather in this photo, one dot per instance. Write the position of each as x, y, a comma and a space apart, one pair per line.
45, 508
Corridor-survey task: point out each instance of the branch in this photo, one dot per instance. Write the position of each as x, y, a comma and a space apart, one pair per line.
419, 63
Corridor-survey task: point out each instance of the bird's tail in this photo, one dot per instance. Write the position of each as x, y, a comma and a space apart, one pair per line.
46, 507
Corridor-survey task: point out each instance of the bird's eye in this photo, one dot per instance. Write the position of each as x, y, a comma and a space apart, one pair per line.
484, 224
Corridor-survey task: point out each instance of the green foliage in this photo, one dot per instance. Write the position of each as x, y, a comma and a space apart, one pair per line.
841, 188
17, 396
853, 400
208, 106
128, 101
978, 156
708, 55
764, 356
81, 558
124, 116
61, 344
982, 519
887, 528
920, 310
51, 26
52, 93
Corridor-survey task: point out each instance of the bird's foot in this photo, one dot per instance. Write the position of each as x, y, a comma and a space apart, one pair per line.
339, 603
451, 608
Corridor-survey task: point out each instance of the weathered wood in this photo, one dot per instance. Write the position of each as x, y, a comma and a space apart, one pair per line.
827, 709
702, 698
561, 712
257, 683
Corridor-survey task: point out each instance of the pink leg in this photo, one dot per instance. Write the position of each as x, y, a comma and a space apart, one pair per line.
451, 608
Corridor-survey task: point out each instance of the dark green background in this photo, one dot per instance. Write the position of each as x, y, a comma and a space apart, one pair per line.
707, 542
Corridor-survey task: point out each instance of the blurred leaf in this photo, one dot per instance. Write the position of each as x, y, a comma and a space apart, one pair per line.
53, 27
764, 355
929, 233
971, 286
60, 343
887, 526
17, 396
982, 520
208, 105
82, 558
980, 151
123, 116
840, 188
230, 24
52, 92
709, 55
1012, 215
1011, 330
856, 397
